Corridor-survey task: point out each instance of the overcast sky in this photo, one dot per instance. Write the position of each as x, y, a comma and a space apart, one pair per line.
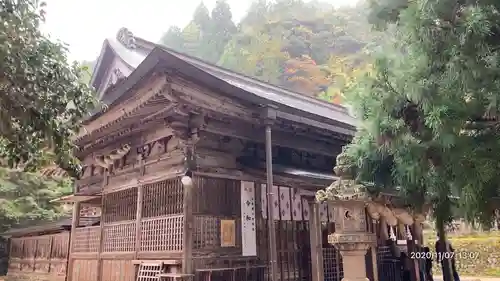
84, 25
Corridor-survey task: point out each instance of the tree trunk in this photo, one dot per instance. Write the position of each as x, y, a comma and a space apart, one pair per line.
446, 265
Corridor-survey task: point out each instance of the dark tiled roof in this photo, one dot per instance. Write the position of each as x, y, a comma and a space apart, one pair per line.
63, 223
270, 92
144, 62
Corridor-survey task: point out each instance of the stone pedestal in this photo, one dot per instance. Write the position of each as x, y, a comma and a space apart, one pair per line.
352, 240
353, 248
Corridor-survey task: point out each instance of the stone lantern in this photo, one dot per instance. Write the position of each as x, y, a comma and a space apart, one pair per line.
349, 200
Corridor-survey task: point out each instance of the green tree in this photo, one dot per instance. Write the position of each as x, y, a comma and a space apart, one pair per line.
201, 17
26, 198
275, 37
173, 39
256, 13
207, 50
428, 110
257, 55
42, 98
222, 29
191, 38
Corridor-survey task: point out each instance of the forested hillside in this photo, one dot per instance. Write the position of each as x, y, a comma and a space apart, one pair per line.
311, 48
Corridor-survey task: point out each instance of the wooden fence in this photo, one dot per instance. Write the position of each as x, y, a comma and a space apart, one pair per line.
41, 256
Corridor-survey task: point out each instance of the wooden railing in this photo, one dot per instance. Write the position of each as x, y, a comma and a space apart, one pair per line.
162, 234
86, 239
119, 237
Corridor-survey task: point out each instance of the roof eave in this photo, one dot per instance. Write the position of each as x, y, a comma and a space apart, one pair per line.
97, 67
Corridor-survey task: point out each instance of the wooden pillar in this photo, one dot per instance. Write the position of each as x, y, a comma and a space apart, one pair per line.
374, 262
269, 117
374, 250
318, 273
101, 227
187, 241
138, 217
418, 233
75, 221
401, 230
34, 255
384, 235
51, 245
411, 248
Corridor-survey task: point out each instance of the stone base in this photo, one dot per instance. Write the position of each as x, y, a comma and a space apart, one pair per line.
353, 247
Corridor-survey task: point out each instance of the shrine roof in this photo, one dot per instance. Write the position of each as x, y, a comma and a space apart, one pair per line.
144, 57
61, 224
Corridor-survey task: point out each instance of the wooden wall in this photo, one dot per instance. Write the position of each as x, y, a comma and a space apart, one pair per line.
44, 256
106, 252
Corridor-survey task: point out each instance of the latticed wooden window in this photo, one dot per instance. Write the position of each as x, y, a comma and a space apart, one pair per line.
162, 198
120, 205
86, 239
206, 232
119, 237
217, 197
162, 234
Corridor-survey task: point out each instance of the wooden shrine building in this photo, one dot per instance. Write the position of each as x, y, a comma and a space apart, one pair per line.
179, 163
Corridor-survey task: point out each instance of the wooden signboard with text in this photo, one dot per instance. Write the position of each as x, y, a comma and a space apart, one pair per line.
228, 233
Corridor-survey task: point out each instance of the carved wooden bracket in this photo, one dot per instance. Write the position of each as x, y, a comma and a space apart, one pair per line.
196, 121
106, 161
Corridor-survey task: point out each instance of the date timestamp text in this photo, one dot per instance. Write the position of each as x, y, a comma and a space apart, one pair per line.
444, 256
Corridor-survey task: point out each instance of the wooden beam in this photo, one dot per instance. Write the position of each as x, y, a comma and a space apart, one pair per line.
192, 94
118, 137
273, 255
316, 247
76, 198
101, 231
138, 217
349, 131
75, 221
148, 112
249, 132
127, 107
373, 251
187, 241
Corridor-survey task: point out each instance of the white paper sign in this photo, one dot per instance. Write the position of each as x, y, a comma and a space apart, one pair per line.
248, 232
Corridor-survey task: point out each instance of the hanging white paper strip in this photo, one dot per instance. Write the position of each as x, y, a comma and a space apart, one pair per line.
296, 206
285, 204
276, 203
305, 209
248, 232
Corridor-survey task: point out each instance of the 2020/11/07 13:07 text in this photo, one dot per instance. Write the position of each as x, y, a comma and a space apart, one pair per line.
444, 255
